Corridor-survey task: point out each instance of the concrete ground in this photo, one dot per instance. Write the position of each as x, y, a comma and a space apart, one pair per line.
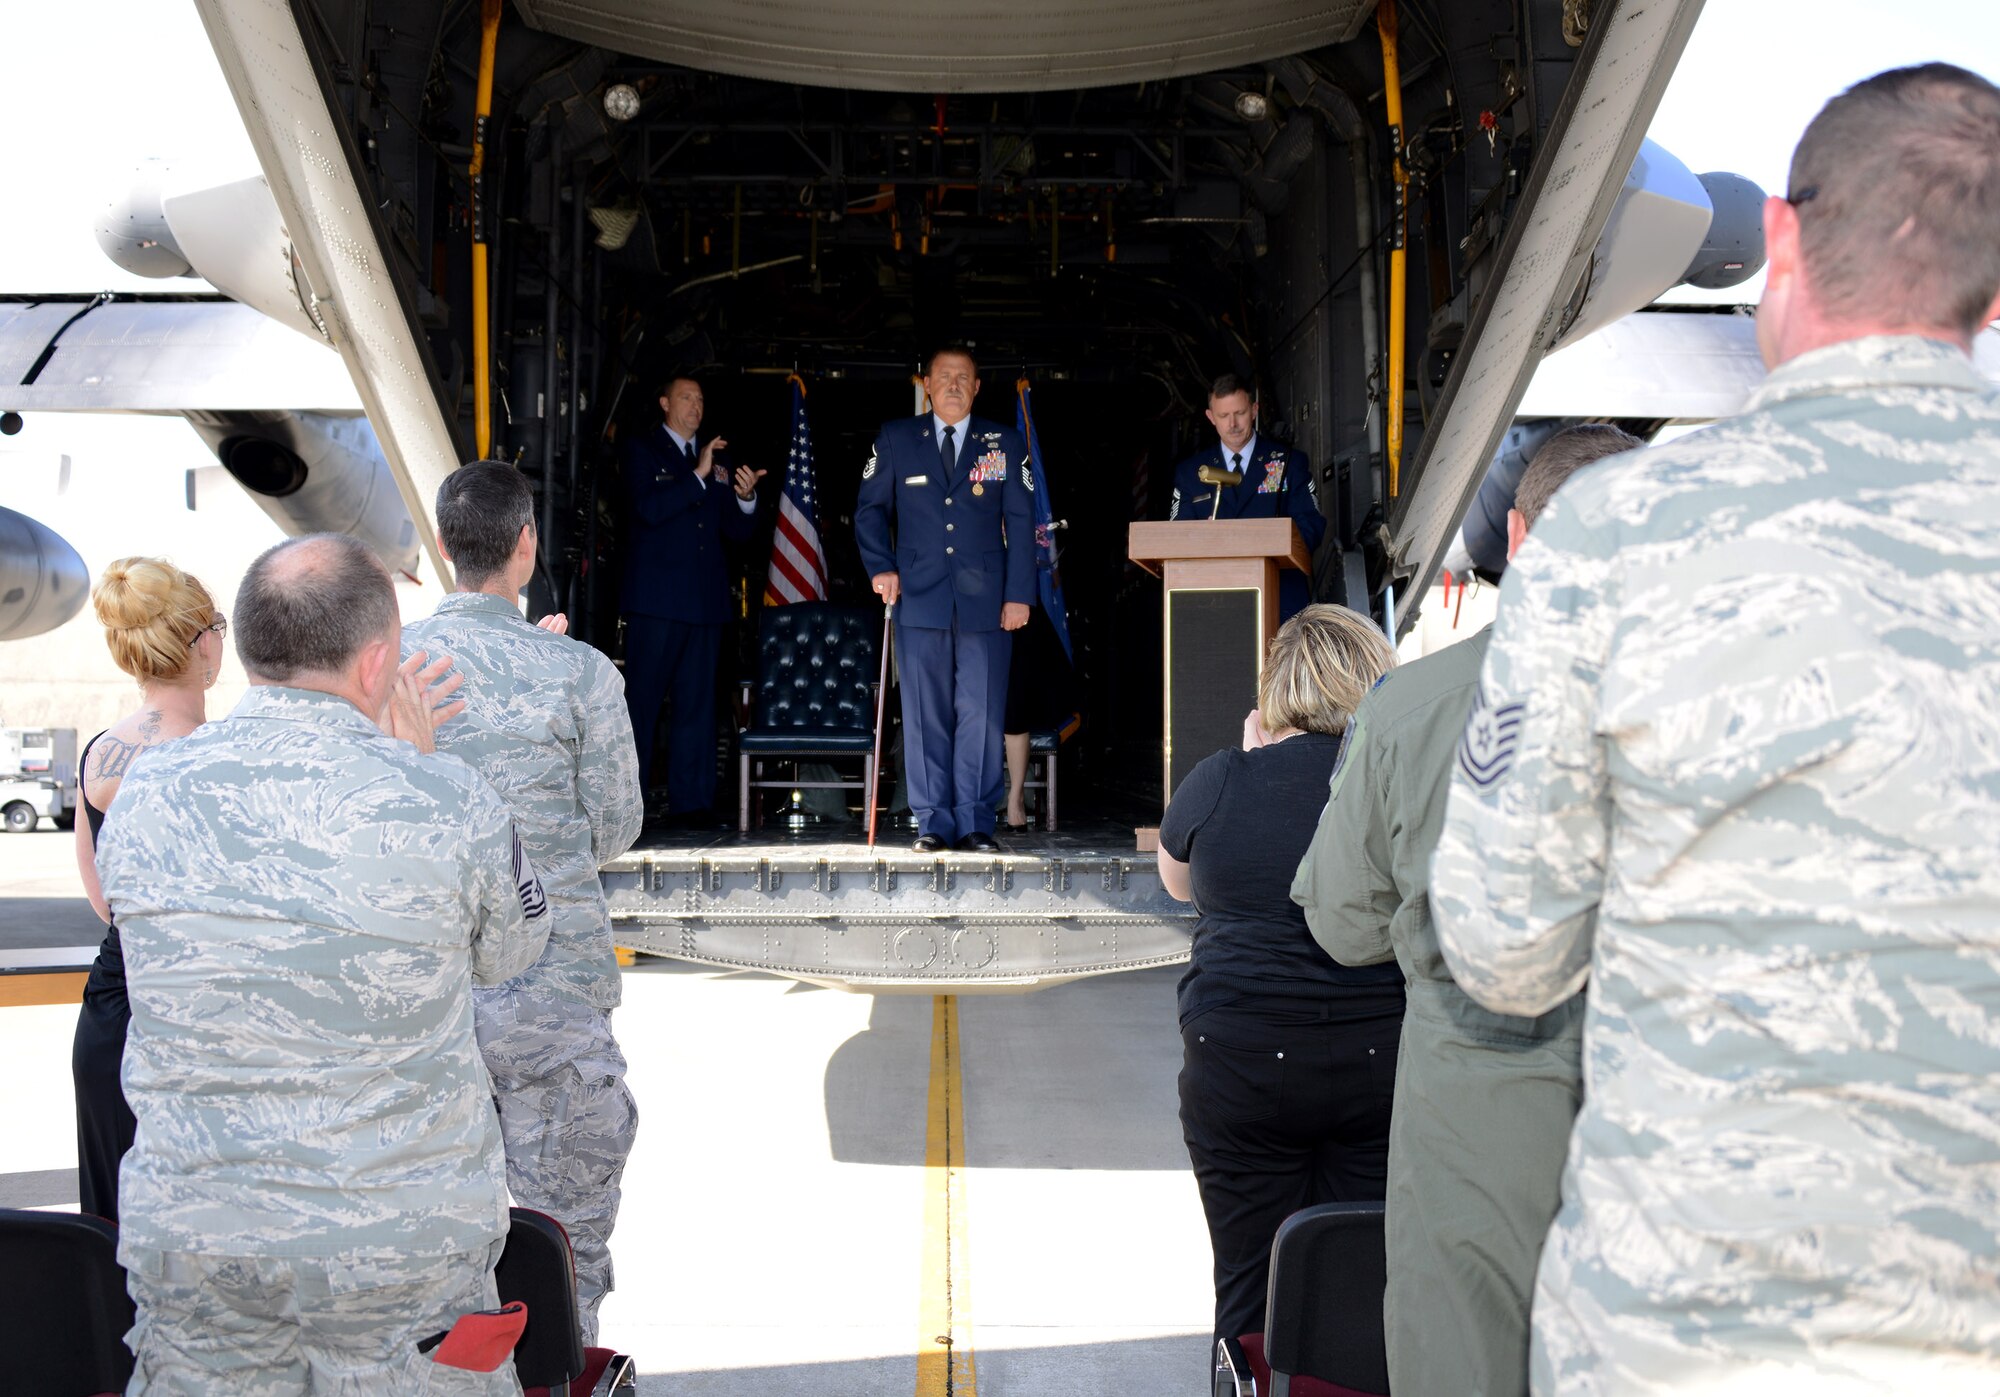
773, 1232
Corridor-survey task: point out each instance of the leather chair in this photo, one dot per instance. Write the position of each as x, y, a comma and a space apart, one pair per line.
813, 699
1044, 745
63, 1294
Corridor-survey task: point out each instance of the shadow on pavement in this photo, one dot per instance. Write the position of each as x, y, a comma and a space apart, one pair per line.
1077, 1076
1158, 1364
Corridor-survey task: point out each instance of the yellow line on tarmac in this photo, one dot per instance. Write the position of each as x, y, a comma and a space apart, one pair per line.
944, 1336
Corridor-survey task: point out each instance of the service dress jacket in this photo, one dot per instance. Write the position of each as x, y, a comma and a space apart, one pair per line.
1277, 481
676, 565
962, 542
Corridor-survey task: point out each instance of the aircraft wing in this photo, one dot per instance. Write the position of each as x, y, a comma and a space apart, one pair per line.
135, 354
1670, 364
1658, 365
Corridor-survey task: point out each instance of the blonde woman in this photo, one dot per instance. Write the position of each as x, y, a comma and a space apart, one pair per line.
163, 629
1288, 1059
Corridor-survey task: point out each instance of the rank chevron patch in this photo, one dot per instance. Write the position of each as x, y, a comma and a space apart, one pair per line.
1492, 733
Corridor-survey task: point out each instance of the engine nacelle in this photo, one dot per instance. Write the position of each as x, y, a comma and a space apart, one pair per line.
229, 235
315, 472
1668, 227
43, 581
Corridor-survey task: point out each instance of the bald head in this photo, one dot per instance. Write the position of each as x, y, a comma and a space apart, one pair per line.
310, 606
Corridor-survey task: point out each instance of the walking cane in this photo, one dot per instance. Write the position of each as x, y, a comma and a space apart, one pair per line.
881, 698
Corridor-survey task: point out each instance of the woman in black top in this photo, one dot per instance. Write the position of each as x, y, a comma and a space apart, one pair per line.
163, 630
1289, 1059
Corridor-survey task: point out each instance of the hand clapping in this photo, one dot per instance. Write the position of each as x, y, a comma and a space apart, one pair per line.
417, 704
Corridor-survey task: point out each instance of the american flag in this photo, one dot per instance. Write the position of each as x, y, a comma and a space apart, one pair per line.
798, 563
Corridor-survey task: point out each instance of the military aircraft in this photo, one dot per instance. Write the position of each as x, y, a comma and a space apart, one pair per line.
500, 223
511, 224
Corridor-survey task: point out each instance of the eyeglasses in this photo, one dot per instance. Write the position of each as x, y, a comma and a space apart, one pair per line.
220, 625
1804, 196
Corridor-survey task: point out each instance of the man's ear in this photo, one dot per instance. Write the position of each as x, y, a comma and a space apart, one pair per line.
524, 544
1781, 237
1517, 532
376, 657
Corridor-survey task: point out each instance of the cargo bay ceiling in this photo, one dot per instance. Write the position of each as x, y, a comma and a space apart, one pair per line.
1143, 195
1027, 46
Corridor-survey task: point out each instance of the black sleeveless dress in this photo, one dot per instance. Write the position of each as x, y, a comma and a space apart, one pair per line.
104, 1123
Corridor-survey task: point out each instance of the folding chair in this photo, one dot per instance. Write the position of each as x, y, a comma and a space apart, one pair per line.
63, 1293
1323, 1315
538, 1268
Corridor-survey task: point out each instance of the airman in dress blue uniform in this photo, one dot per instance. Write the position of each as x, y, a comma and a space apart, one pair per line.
675, 593
1277, 481
945, 524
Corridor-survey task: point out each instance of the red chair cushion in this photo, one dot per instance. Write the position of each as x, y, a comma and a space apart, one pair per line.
1253, 1349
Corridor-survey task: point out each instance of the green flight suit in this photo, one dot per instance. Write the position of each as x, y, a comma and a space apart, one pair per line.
1484, 1101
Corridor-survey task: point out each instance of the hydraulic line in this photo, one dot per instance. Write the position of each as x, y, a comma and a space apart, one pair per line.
1392, 96
482, 351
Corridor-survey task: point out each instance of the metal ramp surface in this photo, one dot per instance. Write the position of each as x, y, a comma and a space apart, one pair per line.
827, 909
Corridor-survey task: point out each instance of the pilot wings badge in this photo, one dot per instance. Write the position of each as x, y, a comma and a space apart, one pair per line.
1492, 734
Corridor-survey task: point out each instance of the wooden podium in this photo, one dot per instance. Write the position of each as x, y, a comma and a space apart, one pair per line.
1219, 613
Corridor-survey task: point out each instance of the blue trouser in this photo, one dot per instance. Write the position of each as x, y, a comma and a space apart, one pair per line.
674, 659
954, 695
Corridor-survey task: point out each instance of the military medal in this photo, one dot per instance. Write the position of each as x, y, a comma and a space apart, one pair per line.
978, 489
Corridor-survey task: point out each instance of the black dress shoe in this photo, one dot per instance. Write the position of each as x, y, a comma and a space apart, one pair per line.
930, 844
978, 843
1021, 828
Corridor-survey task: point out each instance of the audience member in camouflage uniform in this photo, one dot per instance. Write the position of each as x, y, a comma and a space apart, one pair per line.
306, 903
1483, 1101
547, 725
1733, 760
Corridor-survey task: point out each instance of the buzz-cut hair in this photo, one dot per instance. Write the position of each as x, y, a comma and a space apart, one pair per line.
1897, 187
481, 508
1228, 385
1561, 457
958, 347
682, 374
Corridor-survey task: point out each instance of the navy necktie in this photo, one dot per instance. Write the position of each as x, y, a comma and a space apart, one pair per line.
947, 458
1236, 463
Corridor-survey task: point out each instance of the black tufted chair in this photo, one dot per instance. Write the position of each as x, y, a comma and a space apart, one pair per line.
814, 698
